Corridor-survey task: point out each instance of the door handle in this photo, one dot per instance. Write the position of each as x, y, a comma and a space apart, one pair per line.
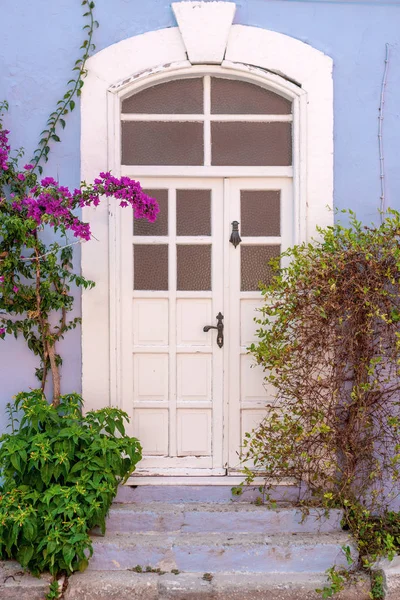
219, 327
235, 238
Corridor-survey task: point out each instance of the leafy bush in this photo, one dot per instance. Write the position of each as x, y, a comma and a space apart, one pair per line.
329, 342
60, 473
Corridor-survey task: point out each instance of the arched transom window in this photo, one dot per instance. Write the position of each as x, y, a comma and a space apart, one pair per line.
210, 121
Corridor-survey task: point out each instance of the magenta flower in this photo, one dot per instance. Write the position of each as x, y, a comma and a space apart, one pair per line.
47, 181
54, 204
2, 331
15, 289
21, 176
2, 279
28, 167
4, 149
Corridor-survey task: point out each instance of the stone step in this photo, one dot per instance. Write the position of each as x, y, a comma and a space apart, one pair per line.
217, 552
17, 584
193, 586
215, 494
219, 518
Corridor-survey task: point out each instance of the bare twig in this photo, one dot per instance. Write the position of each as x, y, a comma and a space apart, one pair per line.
380, 135
34, 258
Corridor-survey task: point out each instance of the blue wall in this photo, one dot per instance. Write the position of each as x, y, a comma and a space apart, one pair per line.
39, 46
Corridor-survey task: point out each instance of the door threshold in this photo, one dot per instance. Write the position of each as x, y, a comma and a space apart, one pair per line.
227, 480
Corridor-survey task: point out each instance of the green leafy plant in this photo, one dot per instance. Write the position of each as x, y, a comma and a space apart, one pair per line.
54, 592
329, 342
336, 582
60, 473
377, 586
375, 534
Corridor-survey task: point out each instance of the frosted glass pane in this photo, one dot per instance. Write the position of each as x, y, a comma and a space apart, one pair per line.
150, 267
251, 144
260, 212
162, 143
229, 96
160, 226
254, 266
193, 212
193, 267
184, 96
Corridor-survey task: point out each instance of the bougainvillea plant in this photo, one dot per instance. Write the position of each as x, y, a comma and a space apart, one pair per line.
36, 276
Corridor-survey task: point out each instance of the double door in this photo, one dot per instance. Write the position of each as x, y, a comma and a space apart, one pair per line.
189, 294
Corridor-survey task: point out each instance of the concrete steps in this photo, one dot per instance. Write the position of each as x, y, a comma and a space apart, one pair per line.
124, 585
185, 493
219, 552
199, 544
211, 518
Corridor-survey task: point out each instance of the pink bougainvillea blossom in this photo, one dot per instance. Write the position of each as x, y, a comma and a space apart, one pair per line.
52, 203
28, 167
2, 331
15, 289
4, 149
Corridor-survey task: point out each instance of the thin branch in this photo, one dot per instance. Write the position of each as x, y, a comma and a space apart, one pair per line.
380, 135
52, 251
67, 103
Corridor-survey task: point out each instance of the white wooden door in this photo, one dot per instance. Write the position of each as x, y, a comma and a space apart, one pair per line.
264, 209
172, 286
190, 401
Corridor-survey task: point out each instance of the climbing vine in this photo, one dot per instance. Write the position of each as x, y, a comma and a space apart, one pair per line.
329, 343
67, 103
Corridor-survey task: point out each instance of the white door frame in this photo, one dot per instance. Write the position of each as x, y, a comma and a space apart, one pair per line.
142, 60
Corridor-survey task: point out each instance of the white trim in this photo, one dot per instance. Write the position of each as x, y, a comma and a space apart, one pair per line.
148, 171
143, 60
199, 118
200, 20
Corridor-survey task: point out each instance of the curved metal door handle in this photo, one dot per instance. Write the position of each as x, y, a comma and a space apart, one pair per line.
219, 327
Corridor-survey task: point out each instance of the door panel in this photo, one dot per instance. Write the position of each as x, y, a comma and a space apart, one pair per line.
172, 286
263, 208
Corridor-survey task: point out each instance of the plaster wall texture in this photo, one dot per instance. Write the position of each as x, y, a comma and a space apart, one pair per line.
40, 44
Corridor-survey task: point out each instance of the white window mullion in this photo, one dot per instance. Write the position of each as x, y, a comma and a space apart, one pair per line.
207, 120
160, 117
172, 279
253, 118
198, 118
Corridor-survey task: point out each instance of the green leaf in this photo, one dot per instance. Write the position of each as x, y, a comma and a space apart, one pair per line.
29, 530
24, 555
83, 565
16, 462
68, 553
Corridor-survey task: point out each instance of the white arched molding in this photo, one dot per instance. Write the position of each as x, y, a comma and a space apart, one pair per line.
277, 61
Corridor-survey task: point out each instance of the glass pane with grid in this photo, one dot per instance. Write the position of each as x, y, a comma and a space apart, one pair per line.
207, 121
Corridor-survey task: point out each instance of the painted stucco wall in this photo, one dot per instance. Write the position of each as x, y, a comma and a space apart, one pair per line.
39, 45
